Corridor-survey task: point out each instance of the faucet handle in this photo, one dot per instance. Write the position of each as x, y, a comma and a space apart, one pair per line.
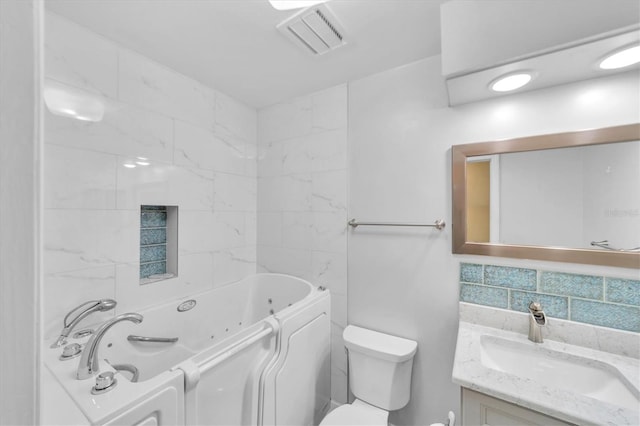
537, 314
104, 383
69, 324
70, 351
535, 307
95, 305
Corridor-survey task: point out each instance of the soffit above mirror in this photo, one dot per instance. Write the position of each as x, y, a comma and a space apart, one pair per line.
561, 66
556, 42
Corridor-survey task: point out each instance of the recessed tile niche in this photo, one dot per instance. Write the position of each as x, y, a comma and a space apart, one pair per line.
158, 243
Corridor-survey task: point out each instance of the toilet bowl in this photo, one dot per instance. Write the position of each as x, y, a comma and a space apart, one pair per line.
379, 375
356, 413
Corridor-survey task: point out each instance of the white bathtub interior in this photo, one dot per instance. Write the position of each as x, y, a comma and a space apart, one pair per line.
239, 347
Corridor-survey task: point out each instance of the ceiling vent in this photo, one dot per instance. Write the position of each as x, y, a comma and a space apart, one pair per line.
316, 29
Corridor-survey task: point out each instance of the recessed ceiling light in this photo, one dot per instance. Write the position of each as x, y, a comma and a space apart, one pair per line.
507, 83
294, 4
621, 58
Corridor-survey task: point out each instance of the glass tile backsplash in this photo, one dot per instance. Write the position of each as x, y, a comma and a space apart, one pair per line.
604, 301
153, 240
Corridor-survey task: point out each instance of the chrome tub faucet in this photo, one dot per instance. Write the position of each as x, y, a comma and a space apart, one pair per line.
89, 362
537, 320
94, 306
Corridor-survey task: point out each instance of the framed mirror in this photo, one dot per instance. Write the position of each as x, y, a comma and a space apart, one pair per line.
567, 197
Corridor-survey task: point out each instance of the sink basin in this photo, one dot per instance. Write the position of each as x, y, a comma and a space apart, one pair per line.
591, 378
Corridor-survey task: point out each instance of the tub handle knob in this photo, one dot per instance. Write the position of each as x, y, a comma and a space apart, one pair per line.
70, 351
104, 383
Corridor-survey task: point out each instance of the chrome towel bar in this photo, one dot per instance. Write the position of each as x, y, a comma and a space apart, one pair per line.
438, 224
605, 245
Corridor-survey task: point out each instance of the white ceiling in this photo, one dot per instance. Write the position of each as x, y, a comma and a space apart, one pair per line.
233, 45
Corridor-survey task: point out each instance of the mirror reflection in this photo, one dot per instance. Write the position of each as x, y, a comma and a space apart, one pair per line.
565, 197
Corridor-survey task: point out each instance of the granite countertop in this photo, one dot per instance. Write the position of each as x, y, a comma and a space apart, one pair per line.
563, 404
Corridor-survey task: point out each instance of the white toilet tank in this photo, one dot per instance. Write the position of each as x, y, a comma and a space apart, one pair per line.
379, 367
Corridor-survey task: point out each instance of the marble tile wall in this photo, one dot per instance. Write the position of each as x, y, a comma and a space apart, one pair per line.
200, 146
302, 202
590, 299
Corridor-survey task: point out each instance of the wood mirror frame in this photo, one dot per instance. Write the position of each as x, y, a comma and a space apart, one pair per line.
459, 155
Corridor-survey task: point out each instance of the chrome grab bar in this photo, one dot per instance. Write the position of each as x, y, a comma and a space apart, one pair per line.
134, 338
135, 373
227, 353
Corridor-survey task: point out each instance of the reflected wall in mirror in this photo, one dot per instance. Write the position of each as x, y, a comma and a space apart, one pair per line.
550, 197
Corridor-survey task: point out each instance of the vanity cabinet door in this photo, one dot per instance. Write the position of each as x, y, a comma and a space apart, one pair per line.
480, 410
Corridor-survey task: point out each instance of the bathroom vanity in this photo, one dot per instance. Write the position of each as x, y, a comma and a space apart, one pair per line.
579, 374
481, 409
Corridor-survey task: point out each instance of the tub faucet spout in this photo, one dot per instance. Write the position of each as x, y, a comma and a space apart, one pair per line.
537, 320
89, 362
91, 307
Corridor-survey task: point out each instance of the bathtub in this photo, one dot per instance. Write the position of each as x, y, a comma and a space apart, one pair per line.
254, 352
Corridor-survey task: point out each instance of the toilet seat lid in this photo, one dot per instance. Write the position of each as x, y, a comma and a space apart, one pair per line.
357, 414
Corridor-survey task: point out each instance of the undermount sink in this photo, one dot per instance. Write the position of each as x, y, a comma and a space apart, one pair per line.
588, 377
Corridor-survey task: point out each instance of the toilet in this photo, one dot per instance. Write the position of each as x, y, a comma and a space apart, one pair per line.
379, 376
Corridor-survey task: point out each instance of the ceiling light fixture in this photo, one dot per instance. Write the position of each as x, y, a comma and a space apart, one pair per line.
621, 58
509, 82
294, 4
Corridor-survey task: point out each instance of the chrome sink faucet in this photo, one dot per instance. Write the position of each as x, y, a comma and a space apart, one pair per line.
93, 306
537, 320
89, 362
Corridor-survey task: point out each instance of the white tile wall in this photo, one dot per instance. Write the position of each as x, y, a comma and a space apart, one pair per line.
153, 87
80, 58
201, 146
302, 202
164, 184
79, 179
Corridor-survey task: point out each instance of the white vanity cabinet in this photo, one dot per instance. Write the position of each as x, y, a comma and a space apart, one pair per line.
479, 410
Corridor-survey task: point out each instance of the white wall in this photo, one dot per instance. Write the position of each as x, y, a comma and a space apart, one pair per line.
302, 202
404, 281
20, 78
201, 148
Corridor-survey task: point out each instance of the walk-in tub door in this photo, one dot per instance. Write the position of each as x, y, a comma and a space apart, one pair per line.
224, 389
301, 379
